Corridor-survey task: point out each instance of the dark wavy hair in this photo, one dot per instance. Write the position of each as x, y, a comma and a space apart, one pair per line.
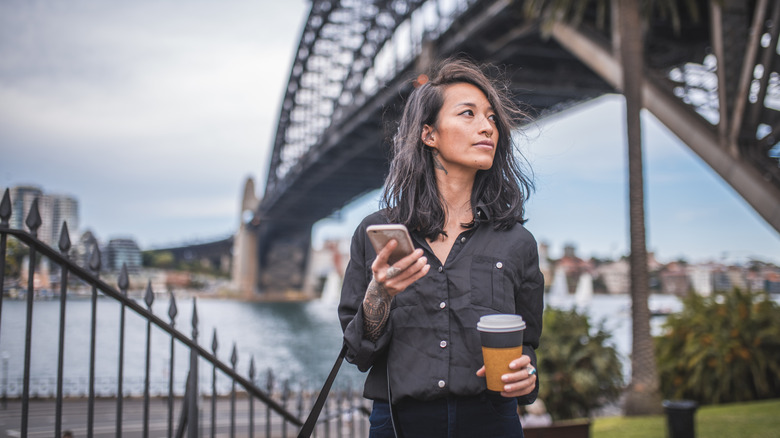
411, 195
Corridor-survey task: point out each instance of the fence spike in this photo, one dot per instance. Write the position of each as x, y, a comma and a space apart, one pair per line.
252, 369
123, 281
269, 383
94, 258
172, 310
299, 403
5, 208
234, 356
64, 243
149, 297
33, 220
194, 319
214, 343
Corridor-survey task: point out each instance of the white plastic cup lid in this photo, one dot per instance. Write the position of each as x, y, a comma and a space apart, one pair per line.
500, 323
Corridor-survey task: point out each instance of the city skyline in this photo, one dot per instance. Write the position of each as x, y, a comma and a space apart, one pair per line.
154, 123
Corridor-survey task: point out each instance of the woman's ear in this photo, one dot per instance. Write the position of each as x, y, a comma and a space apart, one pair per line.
427, 136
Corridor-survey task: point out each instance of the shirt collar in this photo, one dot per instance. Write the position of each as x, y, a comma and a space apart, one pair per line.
483, 214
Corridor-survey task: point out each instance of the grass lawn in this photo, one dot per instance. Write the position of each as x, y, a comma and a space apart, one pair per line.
759, 419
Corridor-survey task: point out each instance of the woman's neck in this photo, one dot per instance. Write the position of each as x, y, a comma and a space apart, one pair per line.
455, 194
456, 199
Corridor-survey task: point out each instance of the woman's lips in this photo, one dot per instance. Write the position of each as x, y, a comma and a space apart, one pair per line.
488, 143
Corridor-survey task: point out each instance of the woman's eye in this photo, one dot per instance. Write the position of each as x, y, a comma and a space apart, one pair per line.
493, 118
468, 112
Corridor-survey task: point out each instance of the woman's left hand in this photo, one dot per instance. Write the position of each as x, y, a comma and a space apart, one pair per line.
521, 381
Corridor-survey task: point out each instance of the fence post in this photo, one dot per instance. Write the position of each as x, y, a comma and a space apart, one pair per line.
33, 221
172, 312
148, 299
251, 398
5, 216
64, 248
214, 345
233, 361
124, 283
192, 420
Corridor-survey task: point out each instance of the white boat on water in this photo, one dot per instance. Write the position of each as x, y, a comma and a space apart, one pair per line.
584, 292
558, 296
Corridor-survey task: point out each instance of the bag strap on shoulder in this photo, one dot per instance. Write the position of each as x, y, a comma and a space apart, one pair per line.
311, 422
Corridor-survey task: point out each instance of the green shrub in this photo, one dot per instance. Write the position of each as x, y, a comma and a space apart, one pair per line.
723, 348
579, 372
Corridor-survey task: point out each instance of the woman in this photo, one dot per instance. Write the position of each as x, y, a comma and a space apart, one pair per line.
456, 185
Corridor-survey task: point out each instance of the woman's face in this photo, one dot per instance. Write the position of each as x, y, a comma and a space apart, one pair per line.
465, 135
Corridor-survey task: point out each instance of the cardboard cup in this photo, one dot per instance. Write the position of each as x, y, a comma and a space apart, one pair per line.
502, 342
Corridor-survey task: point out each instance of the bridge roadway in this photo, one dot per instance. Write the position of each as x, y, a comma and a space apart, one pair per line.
41, 419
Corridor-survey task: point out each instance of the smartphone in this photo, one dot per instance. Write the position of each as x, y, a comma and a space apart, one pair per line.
379, 235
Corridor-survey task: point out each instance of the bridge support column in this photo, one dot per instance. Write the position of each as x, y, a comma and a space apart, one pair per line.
283, 255
244, 272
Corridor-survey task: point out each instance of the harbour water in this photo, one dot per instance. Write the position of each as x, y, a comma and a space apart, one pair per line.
296, 341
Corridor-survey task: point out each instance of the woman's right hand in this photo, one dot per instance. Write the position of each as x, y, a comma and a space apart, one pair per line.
396, 278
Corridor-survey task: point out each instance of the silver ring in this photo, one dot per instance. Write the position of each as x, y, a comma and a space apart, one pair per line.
531, 370
391, 272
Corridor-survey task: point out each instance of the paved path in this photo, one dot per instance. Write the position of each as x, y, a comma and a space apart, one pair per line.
42, 419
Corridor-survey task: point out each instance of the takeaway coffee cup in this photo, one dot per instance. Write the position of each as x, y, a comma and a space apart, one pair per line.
502, 342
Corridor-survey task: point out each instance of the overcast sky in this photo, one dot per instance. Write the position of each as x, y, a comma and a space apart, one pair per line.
153, 113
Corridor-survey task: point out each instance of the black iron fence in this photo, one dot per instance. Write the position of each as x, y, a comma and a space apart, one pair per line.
283, 410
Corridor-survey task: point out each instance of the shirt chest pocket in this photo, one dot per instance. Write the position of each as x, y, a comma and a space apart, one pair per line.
491, 284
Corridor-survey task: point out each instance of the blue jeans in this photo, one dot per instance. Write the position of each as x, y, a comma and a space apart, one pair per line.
483, 416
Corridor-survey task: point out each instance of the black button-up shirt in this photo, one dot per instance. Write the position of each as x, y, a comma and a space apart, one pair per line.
431, 341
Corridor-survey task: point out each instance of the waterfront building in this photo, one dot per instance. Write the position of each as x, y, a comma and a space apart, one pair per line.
615, 276
22, 198
737, 277
772, 283
674, 279
572, 265
544, 264
754, 280
122, 251
64, 208
721, 280
53, 208
701, 279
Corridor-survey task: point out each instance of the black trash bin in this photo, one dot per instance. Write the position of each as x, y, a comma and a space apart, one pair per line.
679, 418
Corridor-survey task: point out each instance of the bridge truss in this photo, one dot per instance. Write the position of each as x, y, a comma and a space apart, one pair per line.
357, 59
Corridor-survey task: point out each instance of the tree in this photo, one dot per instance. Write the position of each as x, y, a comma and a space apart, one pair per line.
14, 255
580, 371
158, 259
642, 396
722, 348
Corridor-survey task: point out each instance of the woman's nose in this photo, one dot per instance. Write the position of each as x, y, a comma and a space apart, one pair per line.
487, 127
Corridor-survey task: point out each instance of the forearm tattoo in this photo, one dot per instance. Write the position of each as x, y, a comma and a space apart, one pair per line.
376, 310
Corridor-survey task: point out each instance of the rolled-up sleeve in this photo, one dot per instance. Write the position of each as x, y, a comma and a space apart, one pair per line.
360, 351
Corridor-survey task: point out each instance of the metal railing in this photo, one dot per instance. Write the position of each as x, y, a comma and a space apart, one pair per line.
341, 404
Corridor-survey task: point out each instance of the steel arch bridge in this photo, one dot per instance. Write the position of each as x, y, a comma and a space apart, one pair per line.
710, 75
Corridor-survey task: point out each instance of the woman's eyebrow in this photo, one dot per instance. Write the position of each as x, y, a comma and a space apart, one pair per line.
473, 105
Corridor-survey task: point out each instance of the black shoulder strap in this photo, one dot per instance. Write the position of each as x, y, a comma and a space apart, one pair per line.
311, 422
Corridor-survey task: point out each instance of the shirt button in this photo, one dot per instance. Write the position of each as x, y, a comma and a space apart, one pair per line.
443, 344
441, 268
442, 305
462, 240
442, 383
499, 265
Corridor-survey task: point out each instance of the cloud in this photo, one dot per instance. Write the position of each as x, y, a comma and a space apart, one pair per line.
147, 107
579, 144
